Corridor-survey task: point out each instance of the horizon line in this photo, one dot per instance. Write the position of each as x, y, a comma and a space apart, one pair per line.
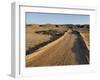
56, 24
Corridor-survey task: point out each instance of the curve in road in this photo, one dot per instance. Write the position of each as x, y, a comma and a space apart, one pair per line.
67, 50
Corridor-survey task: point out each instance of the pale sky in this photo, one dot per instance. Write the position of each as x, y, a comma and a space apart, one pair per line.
45, 18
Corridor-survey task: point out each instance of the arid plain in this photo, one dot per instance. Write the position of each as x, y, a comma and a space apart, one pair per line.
56, 44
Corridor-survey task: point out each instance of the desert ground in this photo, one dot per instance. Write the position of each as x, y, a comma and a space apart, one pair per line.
52, 45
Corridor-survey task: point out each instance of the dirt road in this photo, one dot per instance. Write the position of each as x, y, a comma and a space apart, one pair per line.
67, 50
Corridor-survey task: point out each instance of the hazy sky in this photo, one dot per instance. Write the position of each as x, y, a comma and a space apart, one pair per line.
47, 18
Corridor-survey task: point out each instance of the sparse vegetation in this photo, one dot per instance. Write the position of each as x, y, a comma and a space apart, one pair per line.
39, 36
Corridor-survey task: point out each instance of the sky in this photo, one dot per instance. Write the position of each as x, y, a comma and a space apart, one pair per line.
52, 18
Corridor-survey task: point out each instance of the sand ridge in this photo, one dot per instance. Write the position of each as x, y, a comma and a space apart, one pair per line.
68, 49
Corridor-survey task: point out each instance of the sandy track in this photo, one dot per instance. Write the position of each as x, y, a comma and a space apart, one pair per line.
65, 50
86, 39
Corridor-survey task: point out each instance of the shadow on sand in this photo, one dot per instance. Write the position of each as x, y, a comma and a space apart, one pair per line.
80, 49
53, 38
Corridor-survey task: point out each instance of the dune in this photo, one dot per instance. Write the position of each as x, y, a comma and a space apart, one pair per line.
69, 49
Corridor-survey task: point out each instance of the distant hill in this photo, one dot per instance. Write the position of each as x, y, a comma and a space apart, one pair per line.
61, 25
